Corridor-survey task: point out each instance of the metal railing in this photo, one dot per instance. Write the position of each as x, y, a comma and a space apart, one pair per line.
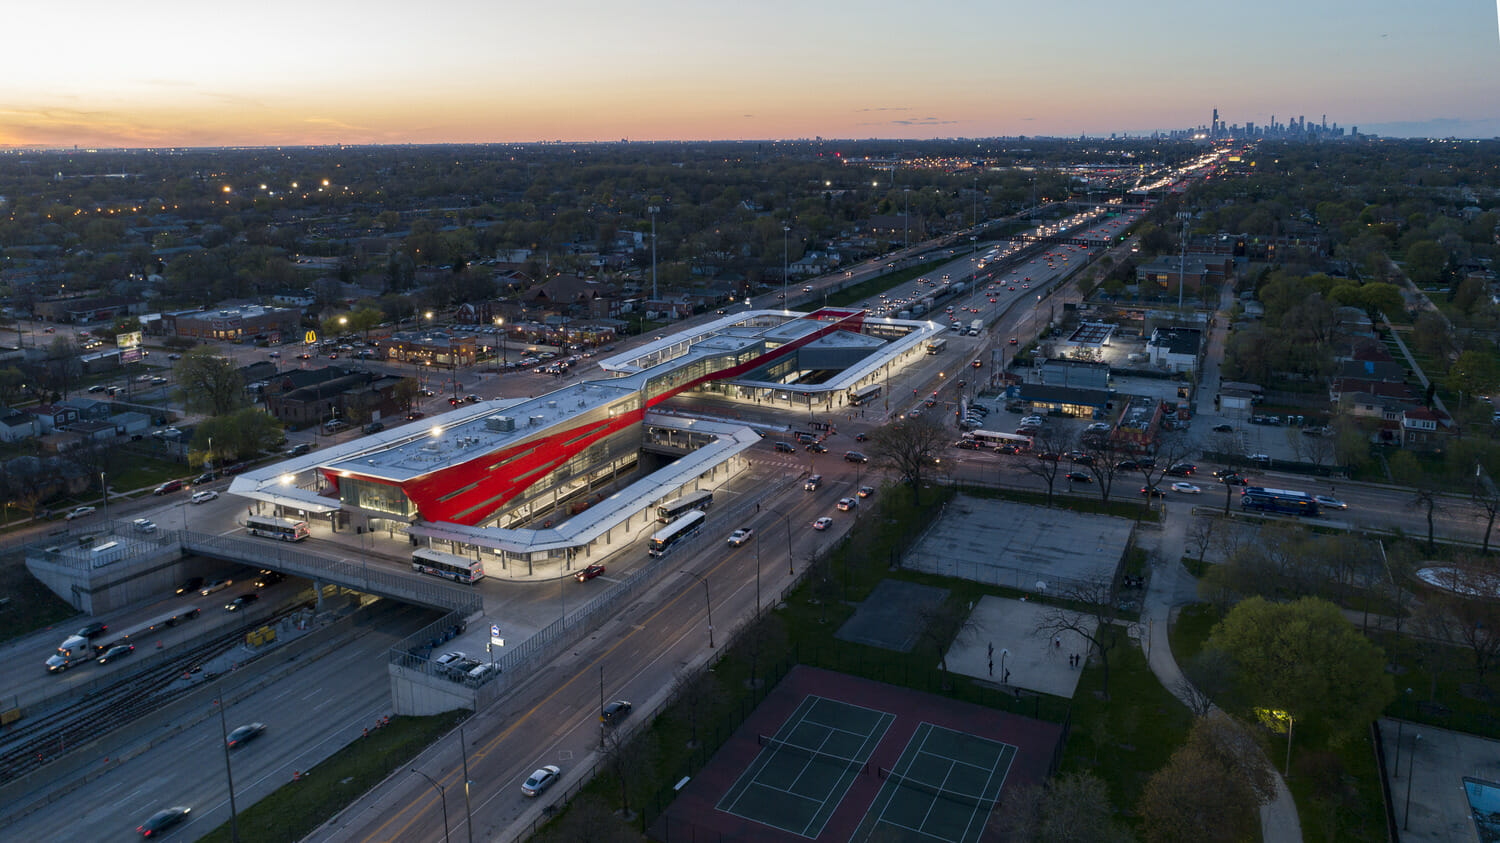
402, 585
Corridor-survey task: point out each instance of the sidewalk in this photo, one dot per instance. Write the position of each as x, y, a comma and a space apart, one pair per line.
1171, 588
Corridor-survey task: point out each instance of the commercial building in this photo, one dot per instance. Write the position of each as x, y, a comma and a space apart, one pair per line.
505, 477
231, 324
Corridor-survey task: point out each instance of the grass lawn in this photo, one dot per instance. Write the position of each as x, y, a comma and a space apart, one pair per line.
1438, 684
296, 808
29, 605
1124, 739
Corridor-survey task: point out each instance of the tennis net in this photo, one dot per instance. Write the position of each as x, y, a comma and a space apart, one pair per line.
934, 791
806, 752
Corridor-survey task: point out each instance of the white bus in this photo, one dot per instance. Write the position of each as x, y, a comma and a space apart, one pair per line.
661, 544
701, 499
425, 560
864, 394
276, 528
995, 439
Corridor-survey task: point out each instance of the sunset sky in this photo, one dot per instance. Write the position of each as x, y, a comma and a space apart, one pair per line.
177, 73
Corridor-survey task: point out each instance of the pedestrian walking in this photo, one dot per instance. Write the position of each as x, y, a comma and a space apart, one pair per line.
992, 667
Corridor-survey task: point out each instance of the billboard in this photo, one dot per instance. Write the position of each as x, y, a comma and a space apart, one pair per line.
131, 339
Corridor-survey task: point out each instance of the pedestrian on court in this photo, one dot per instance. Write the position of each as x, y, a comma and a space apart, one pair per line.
992, 667
1006, 677
1057, 642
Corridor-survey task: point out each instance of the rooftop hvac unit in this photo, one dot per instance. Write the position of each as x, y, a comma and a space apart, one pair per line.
552, 405
500, 424
537, 420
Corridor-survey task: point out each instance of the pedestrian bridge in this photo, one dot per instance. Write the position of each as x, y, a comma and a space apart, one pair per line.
407, 586
109, 565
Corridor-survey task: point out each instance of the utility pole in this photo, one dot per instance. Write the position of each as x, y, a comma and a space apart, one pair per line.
785, 304
653, 209
234, 820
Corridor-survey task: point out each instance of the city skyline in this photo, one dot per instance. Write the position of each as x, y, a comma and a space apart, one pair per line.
174, 74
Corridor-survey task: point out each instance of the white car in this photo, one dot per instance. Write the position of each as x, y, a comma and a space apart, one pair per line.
204, 497
144, 525
1186, 488
541, 780
80, 512
822, 523
846, 504
1330, 502
740, 536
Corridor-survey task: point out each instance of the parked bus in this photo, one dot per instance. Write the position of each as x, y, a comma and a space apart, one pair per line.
864, 394
936, 346
701, 499
995, 439
1278, 500
685, 527
425, 560
284, 529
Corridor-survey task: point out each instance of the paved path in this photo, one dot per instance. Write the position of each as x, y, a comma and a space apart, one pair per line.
1171, 588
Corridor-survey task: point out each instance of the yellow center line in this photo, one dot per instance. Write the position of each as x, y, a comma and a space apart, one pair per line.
427, 799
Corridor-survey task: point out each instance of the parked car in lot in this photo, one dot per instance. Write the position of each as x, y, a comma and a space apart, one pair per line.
615, 711
244, 734
589, 573
374, 427
449, 658
540, 780
740, 536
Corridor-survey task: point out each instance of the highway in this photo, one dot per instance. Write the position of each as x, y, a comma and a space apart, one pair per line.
309, 713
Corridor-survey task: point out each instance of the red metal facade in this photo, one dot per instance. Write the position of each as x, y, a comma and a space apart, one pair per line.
486, 486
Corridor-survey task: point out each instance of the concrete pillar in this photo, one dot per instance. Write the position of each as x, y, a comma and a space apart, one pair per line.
318, 589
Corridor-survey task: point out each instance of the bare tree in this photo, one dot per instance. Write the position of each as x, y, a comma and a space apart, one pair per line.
1487, 498
1090, 613
909, 447
1207, 676
698, 693
625, 755
766, 638
1201, 536
1461, 615
1104, 458
1046, 462
1171, 449
941, 627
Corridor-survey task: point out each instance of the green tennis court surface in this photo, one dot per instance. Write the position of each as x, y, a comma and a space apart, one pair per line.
942, 788
804, 770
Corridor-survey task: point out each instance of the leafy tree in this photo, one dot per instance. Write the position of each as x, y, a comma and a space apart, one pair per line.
1212, 787
210, 383
240, 434
1425, 261
1473, 373
1072, 808
1306, 659
909, 447
11, 382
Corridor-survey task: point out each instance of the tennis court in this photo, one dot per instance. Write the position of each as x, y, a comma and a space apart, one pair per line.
803, 771
942, 788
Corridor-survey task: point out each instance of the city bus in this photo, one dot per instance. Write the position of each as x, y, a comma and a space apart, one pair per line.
284, 529
1278, 500
685, 527
864, 394
425, 560
701, 499
995, 439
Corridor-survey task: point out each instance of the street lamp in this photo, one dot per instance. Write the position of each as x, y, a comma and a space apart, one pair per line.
707, 599
500, 337
104, 490
654, 211
234, 822
442, 797
785, 229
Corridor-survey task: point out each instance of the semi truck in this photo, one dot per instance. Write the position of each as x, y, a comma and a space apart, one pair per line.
75, 650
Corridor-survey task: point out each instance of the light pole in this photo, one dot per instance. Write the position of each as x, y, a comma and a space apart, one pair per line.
653, 209
104, 489
707, 599
1411, 759
234, 822
785, 230
468, 811
442, 797
906, 219
757, 577
500, 338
